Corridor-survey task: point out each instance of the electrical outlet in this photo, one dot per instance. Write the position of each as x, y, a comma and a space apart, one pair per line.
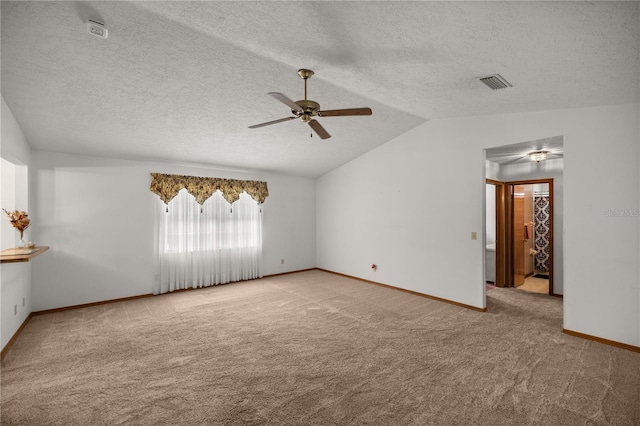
282, 261
15, 309
23, 302
474, 235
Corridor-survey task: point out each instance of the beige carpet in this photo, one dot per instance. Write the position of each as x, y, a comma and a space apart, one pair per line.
314, 348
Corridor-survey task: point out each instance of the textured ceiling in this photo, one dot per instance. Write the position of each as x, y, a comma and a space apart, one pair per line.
182, 81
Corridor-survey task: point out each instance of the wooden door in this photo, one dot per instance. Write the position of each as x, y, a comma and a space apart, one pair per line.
500, 206
518, 236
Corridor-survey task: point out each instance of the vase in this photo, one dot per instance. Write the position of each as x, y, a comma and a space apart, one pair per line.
22, 243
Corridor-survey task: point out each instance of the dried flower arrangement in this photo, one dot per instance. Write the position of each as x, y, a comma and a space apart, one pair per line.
19, 220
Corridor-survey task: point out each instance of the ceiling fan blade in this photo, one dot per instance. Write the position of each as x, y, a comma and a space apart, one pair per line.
288, 102
255, 126
317, 127
343, 112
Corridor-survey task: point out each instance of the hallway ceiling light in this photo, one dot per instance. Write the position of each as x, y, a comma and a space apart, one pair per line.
538, 156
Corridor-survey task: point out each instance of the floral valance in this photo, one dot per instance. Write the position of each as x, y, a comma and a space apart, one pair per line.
202, 188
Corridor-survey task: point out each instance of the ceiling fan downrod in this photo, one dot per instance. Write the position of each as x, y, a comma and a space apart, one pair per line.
305, 74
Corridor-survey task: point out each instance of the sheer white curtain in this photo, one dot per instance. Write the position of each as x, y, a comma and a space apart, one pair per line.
215, 243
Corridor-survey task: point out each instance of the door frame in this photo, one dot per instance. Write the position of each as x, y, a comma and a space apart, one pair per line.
500, 208
508, 212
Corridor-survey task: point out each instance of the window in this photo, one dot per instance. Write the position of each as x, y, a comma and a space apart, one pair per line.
209, 231
216, 225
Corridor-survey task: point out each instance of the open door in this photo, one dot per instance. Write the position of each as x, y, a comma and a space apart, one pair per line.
518, 235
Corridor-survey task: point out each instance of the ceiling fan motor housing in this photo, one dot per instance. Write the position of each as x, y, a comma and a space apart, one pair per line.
309, 109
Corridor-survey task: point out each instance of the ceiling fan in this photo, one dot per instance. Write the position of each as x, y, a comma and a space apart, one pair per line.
306, 109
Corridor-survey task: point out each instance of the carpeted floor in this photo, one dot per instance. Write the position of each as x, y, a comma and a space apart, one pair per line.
314, 348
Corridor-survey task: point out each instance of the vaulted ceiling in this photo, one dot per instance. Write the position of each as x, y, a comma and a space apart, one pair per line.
182, 81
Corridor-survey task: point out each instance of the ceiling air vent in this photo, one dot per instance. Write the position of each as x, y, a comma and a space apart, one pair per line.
495, 82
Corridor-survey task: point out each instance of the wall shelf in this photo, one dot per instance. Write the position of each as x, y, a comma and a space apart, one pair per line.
24, 254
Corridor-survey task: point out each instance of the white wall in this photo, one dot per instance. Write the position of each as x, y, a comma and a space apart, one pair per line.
15, 278
546, 169
8, 202
97, 215
492, 170
490, 219
601, 179
410, 206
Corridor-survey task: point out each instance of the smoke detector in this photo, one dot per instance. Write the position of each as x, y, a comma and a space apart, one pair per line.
97, 28
495, 82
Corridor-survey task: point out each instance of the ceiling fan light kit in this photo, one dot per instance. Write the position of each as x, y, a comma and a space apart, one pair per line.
306, 109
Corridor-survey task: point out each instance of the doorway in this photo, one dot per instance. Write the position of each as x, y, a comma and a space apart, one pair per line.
529, 235
519, 237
